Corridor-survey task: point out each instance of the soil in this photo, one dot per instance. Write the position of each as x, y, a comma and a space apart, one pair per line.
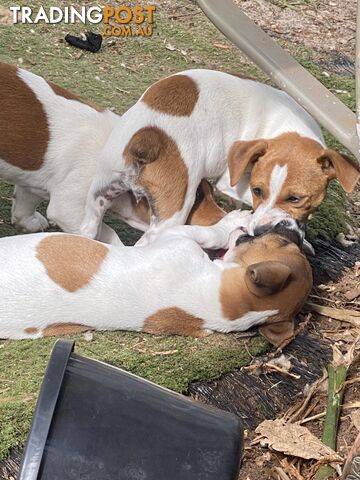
326, 26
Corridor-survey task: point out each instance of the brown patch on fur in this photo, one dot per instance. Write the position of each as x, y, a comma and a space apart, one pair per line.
288, 298
176, 95
164, 174
70, 96
59, 329
31, 330
234, 295
205, 210
69, 260
23, 123
310, 168
174, 321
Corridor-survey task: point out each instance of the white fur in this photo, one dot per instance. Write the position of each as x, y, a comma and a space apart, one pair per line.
266, 213
131, 284
85, 143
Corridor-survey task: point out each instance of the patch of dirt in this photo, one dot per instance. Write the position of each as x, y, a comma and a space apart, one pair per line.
326, 26
343, 295
259, 462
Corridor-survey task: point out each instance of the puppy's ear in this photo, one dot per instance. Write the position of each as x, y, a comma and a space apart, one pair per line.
266, 278
278, 333
144, 146
242, 154
341, 167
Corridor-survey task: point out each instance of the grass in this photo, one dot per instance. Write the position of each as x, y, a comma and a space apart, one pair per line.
115, 78
173, 362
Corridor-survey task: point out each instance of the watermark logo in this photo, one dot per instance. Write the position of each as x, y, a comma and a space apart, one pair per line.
118, 21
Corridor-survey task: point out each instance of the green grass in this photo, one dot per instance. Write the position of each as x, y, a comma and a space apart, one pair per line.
173, 362
115, 78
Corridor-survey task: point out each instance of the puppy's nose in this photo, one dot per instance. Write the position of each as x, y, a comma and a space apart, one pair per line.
265, 219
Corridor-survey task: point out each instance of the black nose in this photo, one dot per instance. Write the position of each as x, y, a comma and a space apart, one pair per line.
243, 239
260, 230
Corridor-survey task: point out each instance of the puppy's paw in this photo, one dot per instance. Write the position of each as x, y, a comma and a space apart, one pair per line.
33, 224
236, 219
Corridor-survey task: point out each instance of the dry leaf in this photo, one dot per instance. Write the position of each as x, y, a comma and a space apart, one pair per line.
292, 439
88, 336
6, 17
345, 359
170, 47
355, 418
221, 45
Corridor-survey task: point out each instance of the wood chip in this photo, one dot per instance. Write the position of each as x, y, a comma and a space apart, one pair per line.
281, 473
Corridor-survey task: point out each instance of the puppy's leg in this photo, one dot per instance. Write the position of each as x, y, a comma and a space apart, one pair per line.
101, 196
108, 235
164, 216
220, 235
23, 211
129, 210
66, 210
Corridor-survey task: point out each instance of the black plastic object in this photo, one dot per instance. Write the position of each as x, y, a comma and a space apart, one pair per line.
97, 422
91, 41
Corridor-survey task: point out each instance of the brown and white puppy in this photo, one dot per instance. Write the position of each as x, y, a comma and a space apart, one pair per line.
54, 284
263, 148
50, 142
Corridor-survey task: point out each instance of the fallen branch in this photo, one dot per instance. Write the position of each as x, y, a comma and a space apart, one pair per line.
294, 412
337, 372
349, 316
314, 417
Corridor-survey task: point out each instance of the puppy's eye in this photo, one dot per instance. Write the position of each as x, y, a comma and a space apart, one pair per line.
293, 199
257, 191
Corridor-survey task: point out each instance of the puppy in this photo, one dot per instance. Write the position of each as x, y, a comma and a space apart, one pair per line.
53, 284
49, 143
189, 126
263, 148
